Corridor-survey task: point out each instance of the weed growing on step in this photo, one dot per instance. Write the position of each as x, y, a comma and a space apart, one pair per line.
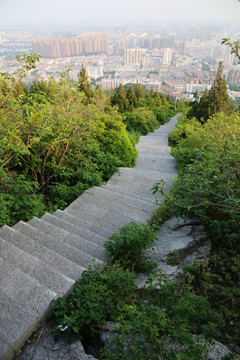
126, 246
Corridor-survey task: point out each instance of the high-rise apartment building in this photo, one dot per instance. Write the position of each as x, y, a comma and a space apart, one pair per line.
132, 56
167, 56
63, 47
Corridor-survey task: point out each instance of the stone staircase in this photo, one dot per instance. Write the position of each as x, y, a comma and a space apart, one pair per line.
41, 259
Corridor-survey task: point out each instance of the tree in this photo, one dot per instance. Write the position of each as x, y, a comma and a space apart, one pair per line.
218, 97
131, 97
84, 85
120, 99
139, 92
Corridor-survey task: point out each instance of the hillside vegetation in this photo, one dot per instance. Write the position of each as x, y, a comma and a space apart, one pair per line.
59, 138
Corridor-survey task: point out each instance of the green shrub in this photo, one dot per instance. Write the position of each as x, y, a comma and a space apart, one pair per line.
98, 297
126, 246
162, 324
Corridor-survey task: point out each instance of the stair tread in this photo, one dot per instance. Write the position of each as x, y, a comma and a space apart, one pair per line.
43, 273
46, 255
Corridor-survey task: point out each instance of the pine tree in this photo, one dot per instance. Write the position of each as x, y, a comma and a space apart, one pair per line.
84, 85
218, 97
131, 97
139, 92
120, 99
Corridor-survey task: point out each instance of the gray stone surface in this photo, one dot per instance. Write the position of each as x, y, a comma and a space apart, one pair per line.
23, 289
43, 273
113, 205
186, 241
60, 246
84, 251
87, 226
60, 218
120, 198
43, 347
62, 264
151, 199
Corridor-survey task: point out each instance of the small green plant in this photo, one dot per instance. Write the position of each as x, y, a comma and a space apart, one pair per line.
172, 259
98, 297
126, 246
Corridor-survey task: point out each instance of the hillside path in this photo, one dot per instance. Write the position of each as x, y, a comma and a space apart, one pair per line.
41, 259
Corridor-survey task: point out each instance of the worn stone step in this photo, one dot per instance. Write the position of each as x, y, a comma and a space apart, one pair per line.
82, 214
101, 214
144, 197
110, 194
81, 251
158, 165
24, 290
148, 174
140, 185
44, 254
17, 324
43, 273
57, 245
93, 229
114, 206
63, 223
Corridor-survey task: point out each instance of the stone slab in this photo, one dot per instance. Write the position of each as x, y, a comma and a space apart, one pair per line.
43, 273
115, 206
60, 263
76, 220
84, 216
110, 194
151, 199
23, 289
79, 250
106, 215
59, 246
16, 324
74, 229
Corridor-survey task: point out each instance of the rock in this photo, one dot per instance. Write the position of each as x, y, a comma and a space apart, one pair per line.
78, 352
218, 351
42, 346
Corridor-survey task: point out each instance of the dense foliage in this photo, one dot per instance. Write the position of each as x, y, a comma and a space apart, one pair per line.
214, 101
208, 189
60, 138
153, 321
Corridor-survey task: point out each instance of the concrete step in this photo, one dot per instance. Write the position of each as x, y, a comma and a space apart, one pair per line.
74, 229
57, 245
110, 194
101, 214
93, 220
144, 197
17, 324
42, 253
141, 185
81, 251
115, 206
24, 290
139, 173
83, 224
43, 273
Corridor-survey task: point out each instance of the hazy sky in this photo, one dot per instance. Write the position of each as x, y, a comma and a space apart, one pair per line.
15, 13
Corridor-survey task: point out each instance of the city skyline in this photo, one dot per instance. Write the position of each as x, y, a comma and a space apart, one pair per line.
31, 13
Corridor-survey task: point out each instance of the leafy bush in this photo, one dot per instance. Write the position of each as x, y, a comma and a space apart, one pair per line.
98, 297
126, 247
141, 120
209, 186
161, 323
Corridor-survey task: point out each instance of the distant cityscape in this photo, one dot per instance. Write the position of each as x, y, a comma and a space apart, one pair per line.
177, 61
